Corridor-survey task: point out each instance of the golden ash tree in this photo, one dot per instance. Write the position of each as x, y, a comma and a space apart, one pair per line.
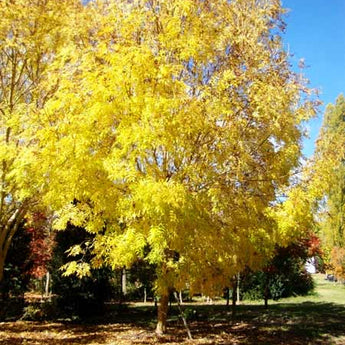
173, 127
31, 32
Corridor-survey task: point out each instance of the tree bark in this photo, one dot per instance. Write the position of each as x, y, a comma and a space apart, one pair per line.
145, 294
7, 231
162, 313
234, 299
124, 281
227, 296
2, 264
266, 291
180, 297
47, 285
238, 287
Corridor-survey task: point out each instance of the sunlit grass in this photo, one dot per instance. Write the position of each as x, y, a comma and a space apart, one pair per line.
325, 291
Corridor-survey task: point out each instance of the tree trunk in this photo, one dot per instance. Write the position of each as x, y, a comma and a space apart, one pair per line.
145, 294
47, 285
238, 287
227, 296
124, 282
234, 299
180, 297
7, 232
162, 313
266, 291
2, 264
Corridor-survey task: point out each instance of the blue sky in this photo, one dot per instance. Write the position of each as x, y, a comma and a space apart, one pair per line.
316, 32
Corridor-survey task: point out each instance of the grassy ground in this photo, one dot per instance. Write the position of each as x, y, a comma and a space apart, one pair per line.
317, 319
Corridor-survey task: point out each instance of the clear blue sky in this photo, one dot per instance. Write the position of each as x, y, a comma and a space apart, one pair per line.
316, 32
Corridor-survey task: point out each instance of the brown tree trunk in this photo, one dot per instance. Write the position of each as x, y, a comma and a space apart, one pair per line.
234, 300
2, 264
266, 291
266, 298
162, 313
227, 296
7, 232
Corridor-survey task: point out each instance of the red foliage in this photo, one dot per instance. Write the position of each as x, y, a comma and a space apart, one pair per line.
41, 244
303, 249
313, 245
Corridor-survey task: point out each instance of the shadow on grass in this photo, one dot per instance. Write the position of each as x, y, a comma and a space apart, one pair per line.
298, 324
302, 323
46, 333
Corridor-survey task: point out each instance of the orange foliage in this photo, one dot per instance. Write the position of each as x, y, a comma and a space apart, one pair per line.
338, 262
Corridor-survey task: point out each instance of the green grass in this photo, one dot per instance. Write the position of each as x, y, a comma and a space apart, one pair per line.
329, 291
325, 291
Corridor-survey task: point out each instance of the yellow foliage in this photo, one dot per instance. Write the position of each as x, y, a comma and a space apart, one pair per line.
173, 126
80, 269
31, 35
328, 175
338, 262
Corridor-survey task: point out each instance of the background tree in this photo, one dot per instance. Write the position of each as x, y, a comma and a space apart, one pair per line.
175, 125
338, 262
38, 225
142, 277
329, 177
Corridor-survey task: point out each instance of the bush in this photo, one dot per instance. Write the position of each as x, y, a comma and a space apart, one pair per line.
277, 287
284, 276
38, 311
33, 312
11, 308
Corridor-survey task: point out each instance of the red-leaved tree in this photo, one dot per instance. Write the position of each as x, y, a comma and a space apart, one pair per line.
41, 244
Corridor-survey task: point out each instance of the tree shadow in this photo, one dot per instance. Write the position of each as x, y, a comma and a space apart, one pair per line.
43, 333
298, 324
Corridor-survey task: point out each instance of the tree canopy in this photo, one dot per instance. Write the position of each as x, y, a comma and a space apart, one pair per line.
167, 128
329, 164
329, 180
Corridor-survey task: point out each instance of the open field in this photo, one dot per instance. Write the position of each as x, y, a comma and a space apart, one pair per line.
316, 319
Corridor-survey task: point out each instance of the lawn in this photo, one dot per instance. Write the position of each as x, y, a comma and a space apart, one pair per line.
315, 319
